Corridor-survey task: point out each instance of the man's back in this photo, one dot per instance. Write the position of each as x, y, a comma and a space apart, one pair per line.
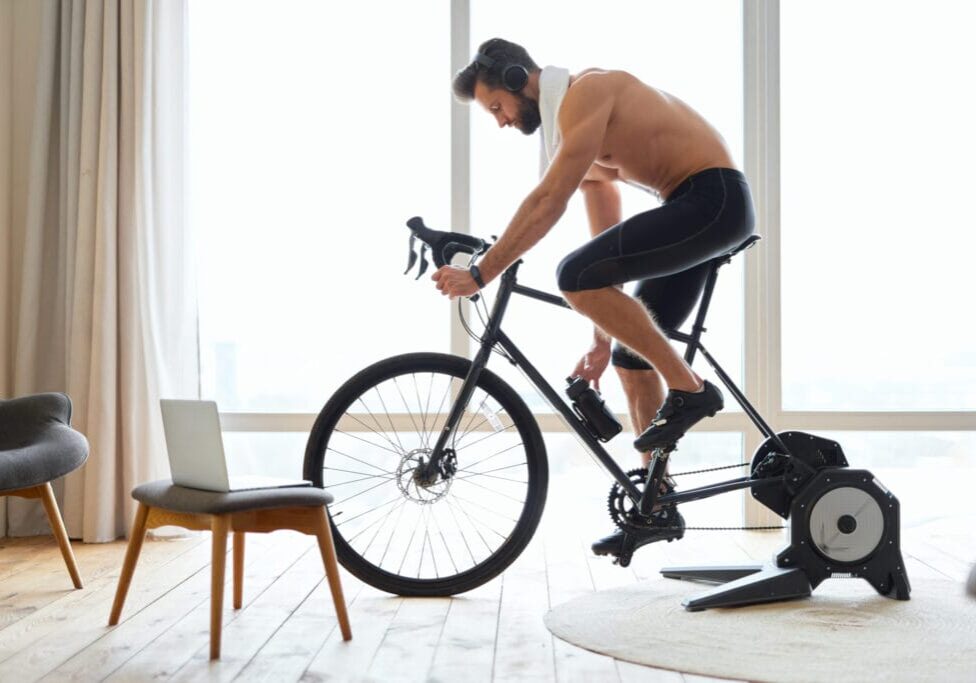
653, 138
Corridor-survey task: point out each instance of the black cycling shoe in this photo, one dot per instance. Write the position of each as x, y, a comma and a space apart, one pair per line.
681, 411
665, 528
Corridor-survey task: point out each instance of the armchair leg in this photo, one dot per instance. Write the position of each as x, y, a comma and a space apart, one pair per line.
136, 537
57, 526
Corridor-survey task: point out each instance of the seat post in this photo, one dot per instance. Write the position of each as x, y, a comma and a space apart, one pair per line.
699, 327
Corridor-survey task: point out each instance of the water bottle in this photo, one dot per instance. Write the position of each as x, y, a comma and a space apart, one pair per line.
591, 409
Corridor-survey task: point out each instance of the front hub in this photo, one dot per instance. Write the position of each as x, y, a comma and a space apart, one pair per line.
416, 484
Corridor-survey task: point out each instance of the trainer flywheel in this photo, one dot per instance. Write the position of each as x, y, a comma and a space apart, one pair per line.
846, 524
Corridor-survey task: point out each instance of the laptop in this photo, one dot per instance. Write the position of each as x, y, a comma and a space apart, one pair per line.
196, 450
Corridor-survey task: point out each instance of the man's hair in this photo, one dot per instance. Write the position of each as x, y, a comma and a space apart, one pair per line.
504, 54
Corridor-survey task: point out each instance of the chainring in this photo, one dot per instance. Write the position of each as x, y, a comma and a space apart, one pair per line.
624, 513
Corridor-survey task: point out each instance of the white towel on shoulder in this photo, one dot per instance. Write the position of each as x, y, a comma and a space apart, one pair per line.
553, 84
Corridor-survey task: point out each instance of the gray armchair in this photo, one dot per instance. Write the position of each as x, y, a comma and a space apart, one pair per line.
37, 446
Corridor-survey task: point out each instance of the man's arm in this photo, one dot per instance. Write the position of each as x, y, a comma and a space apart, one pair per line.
583, 125
602, 200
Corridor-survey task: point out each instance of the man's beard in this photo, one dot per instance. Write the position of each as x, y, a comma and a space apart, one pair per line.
529, 118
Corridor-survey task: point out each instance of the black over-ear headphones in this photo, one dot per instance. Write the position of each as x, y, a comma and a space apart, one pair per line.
514, 76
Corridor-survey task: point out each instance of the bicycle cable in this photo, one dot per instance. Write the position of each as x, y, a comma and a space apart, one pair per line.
478, 305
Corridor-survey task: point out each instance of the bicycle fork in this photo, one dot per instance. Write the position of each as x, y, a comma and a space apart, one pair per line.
433, 467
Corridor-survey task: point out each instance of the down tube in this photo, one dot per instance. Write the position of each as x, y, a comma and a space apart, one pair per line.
556, 402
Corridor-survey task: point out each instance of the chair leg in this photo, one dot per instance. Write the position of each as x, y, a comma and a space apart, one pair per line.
136, 537
238, 569
327, 548
219, 525
57, 526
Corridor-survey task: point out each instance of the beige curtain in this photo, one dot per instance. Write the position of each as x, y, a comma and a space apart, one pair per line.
97, 292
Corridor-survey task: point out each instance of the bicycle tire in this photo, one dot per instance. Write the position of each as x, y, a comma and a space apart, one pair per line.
452, 369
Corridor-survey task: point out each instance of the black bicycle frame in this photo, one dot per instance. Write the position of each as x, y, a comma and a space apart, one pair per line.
493, 336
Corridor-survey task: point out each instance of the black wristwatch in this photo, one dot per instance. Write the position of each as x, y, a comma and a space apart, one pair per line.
476, 274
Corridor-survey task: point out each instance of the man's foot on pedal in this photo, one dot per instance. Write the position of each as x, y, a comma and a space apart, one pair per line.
671, 527
680, 412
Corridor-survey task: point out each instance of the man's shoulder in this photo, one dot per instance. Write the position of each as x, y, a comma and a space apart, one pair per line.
597, 76
592, 88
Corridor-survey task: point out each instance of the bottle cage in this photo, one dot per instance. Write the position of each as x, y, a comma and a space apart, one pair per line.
443, 245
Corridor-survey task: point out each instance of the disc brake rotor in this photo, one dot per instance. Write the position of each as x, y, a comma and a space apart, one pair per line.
410, 485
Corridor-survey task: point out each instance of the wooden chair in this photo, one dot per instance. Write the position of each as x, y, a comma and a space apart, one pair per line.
162, 503
37, 446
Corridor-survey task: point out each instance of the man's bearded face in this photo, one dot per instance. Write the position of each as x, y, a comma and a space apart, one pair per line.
529, 118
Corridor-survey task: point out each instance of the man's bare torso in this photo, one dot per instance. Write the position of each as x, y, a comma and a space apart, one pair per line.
652, 138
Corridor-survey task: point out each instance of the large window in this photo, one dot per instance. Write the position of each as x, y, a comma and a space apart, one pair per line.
317, 129
877, 143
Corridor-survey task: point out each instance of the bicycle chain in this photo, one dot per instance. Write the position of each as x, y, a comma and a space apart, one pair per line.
720, 528
712, 469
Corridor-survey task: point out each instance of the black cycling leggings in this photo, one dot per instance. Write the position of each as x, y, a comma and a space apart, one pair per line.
668, 249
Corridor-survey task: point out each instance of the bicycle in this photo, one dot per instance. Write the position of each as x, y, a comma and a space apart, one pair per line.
442, 502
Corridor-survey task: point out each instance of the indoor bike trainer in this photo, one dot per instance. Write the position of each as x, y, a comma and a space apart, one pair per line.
843, 523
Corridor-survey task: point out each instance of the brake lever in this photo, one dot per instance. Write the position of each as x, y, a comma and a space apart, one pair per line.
423, 261
413, 255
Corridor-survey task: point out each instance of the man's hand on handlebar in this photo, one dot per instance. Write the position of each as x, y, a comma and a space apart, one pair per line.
454, 281
594, 362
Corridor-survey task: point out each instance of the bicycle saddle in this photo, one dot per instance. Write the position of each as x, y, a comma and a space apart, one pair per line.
443, 245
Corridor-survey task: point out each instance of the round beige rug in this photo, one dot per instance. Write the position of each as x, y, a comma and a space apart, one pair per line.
844, 632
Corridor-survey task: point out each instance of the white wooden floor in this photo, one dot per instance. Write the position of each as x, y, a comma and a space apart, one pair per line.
287, 629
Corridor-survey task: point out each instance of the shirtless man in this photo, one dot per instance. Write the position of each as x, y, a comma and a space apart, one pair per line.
610, 127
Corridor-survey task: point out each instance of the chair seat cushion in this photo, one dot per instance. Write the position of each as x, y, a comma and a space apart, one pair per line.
169, 496
37, 445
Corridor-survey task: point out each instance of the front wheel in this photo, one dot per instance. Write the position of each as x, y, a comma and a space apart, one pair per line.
407, 536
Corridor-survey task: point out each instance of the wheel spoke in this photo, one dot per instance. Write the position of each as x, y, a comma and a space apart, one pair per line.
366, 512
497, 469
379, 520
406, 551
504, 430
353, 481
374, 445
493, 476
440, 533
376, 486
365, 474
482, 507
457, 525
376, 420
420, 409
476, 530
504, 450
392, 534
447, 390
352, 457
471, 418
389, 419
430, 392
405, 406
